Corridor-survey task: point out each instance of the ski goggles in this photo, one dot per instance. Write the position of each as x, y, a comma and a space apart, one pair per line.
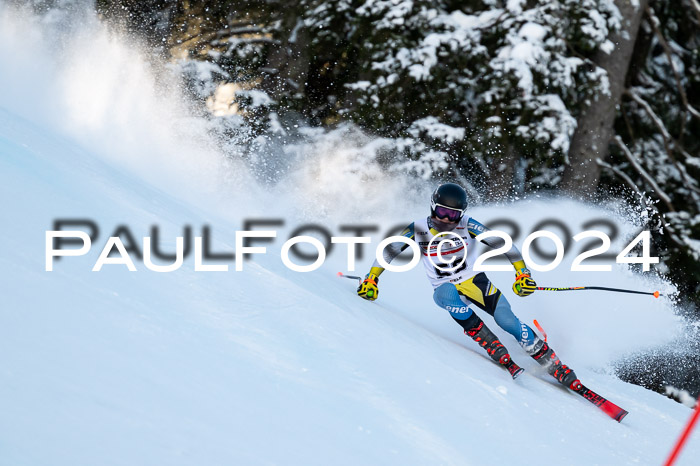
453, 215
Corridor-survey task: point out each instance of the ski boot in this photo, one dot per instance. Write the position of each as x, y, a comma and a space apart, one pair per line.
546, 357
487, 340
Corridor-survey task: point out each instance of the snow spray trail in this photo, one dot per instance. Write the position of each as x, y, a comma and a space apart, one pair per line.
68, 72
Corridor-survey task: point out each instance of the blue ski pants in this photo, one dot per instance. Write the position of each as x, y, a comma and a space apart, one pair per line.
478, 290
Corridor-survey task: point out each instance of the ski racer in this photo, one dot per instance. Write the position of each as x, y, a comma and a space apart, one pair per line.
458, 286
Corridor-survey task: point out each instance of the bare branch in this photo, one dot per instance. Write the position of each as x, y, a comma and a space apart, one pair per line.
696, 6
693, 111
669, 55
654, 117
673, 234
669, 229
669, 142
672, 143
622, 175
631, 158
243, 30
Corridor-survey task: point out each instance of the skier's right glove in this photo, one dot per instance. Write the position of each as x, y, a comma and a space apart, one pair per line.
368, 288
524, 284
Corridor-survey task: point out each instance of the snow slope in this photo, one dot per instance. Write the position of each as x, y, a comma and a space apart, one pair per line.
266, 365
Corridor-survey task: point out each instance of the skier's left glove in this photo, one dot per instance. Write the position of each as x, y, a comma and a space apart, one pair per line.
368, 288
524, 284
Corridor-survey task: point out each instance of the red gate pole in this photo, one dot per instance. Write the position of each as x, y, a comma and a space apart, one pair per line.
684, 436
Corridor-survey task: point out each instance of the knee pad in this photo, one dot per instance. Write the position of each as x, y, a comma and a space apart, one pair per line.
447, 297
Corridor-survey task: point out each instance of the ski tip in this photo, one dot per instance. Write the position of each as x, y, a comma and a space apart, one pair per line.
608, 407
621, 415
340, 274
612, 410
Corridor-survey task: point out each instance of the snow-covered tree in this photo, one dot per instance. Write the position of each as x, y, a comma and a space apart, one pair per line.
507, 96
493, 86
657, 149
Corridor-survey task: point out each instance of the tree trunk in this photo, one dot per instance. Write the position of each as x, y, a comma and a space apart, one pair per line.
595, 125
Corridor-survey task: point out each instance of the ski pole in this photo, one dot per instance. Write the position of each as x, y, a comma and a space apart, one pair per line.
354, 277
370, 293
655, 294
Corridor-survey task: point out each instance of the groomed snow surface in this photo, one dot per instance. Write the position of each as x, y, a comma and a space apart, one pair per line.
267, 365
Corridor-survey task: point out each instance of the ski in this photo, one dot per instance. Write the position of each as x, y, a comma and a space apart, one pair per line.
608, 407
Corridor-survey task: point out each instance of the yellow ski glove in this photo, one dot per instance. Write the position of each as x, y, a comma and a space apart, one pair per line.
368, 289
524, 284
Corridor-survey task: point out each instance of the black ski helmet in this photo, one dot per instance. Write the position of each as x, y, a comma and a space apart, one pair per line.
451, 196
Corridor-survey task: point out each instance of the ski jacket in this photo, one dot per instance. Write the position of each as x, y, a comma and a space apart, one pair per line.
447, 257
